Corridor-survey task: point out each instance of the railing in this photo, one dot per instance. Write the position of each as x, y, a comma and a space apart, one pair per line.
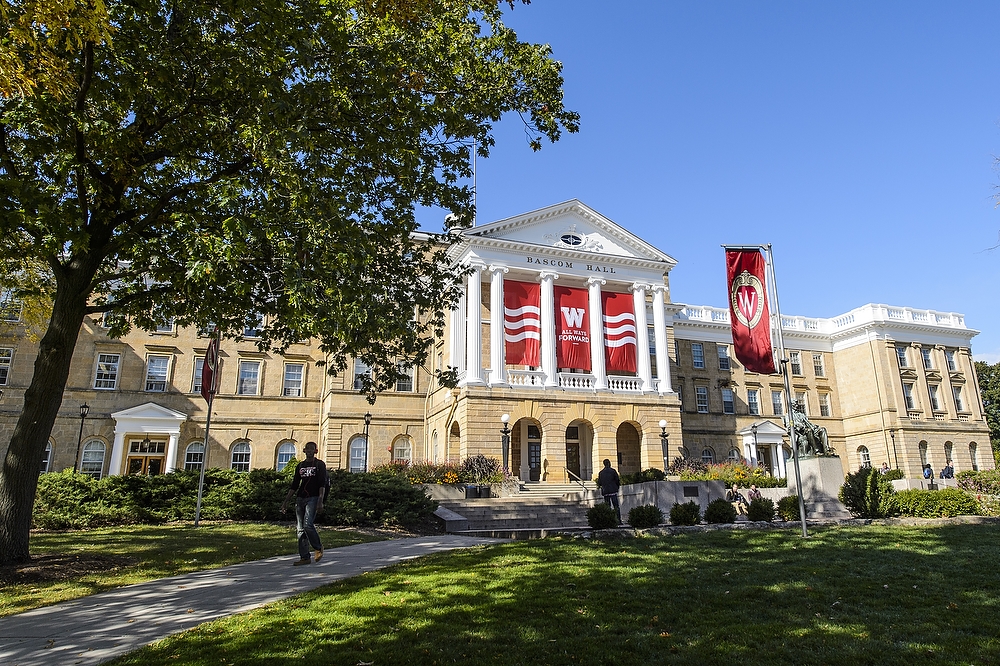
913, 416
620, 384
526, 377
573, 477
963, 417
576, 381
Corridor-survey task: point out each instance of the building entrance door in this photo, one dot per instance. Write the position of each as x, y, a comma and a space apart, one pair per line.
534, 453
764, 457
146, 457
573, 451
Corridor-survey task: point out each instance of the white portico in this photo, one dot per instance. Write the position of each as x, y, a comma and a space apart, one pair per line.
763, 442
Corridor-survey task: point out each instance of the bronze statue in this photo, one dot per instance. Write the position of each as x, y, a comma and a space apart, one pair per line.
810, 438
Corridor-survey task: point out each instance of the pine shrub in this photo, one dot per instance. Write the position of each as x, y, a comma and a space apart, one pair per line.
761, 510
688, 513
788, 508
867, 494
644, 517
602, 516
947, 502
651, 474
720, 511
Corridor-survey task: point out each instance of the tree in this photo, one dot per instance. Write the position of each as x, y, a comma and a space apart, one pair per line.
220, 161
989, 388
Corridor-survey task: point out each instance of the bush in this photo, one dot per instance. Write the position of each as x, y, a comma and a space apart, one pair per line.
480, 469
985, 482
720, 511
646, 516
788, 508
867, 494
602, 516
936, 503
651, 474
729, 472
894, 475
688, 513
761, 510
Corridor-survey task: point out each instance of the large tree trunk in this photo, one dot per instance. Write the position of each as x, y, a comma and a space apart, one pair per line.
19, 475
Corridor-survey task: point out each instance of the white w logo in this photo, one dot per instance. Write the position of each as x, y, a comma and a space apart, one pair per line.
573, 317
748, 302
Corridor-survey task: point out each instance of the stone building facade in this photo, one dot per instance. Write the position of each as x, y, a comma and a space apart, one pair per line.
891, 384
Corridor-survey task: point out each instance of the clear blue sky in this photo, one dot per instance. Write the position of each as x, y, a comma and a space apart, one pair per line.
860, 139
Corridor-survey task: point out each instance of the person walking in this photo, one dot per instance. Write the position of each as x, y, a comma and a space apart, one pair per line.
610, 483
948, 472
310, 484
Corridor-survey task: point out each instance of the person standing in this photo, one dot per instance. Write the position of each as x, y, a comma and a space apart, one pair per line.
310, 485
948, 472
610, 484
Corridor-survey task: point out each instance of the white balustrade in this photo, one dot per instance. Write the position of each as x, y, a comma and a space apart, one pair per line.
526, 378
577, 381
625, 384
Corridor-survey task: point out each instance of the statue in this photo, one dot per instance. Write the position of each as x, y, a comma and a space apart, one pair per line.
810, 439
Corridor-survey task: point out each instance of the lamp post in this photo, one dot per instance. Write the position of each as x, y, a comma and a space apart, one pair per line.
665, 444
84, 410
505, 439
895, 458
753, 430
368, 422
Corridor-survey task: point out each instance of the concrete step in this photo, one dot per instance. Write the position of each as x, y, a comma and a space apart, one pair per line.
519, 513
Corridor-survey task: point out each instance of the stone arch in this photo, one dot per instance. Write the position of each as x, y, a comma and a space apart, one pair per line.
628, 445
924, 456
708, 455
864, 457
579, 448
974, 455
455, 440
949, 451
402, 449
284, 451
526, 449
94, 457
194, 454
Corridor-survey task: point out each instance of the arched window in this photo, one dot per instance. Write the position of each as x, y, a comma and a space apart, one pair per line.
402, 450
286, 451
193, 455
358, 450
240, 460
974, 456
865, 456
734, 456
47, 457
684, 452
708, 456
922, 447
92, 462
948, 450
434, 446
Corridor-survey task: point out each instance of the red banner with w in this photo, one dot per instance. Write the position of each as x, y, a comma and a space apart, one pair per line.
209, 371
619, 332
748, 310
522, 325
572, 328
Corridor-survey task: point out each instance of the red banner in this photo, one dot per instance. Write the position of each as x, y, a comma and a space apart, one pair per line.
619, 332
748, 310
209, 374
572, 328
522, 327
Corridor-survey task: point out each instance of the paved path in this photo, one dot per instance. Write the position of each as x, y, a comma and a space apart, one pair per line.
102, 626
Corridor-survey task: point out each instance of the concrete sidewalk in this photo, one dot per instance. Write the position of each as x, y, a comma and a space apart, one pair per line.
102, 626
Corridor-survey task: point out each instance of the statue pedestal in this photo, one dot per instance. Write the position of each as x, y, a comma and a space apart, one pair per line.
822, 477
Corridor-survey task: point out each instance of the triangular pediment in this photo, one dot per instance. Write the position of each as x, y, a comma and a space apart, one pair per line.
572, 227
763, 428
149, 411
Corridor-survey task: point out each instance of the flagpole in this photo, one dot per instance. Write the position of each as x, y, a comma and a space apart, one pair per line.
208, 425
790, 425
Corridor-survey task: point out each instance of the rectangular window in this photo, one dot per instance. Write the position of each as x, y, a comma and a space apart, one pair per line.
10, 307
824, 404
925, 354
796, 360
652, 351
107, 371
753, 401
156, 373
959, 405
199, 367
901, 356
800, 398
932, 389
680, 395
165, 326
949, 356
818, 367
361, 370
723, 357
253, 329
249, 379
6, 355
405, 384
908, 396
777, 404
728, 404
697, 355
701, 397
293, 380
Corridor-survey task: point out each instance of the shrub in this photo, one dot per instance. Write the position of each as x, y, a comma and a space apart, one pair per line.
729, 472
720, 511
936, 503
643, 517
480, 469
688, 513
651, 474
894, 475
761, 509
867, 494
788, 508
602, 516
986, 482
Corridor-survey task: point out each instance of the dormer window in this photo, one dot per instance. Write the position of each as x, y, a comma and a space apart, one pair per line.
572, 239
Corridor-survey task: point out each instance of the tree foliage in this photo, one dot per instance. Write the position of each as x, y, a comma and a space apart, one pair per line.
989, 388
221, 162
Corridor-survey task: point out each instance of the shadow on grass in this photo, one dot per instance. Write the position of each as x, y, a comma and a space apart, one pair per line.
868, 595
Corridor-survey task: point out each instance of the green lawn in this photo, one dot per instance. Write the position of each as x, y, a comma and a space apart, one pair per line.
857, 595
73, 564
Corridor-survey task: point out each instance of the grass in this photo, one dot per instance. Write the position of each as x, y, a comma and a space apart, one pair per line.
858, 595
74, 564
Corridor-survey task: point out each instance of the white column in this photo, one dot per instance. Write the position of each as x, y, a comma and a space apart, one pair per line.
642, 336
780, 448
660, 340
548, 322
474, 328
172, 452
498, 361
456, 345
117, 453
597, 333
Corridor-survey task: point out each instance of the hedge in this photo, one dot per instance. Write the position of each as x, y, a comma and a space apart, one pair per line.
947, 502
985, 482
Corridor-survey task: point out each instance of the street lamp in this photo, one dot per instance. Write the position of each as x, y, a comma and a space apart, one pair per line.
84, 410
368, 422
895, 459
664, 443
505, 439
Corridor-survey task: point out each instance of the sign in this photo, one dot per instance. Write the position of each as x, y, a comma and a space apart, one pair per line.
572, 328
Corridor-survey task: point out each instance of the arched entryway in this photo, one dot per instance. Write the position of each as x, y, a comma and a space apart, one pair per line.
629, 449
579, 444
454, 442
526, 449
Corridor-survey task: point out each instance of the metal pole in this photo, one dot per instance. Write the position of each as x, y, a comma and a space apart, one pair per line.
788, 390
368, 420
895, 458
208, 425
505, 440
84, 410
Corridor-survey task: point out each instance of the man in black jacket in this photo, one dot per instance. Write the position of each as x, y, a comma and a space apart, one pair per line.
309, 486
610, 483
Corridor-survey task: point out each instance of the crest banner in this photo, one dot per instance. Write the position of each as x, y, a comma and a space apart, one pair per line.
748, 310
